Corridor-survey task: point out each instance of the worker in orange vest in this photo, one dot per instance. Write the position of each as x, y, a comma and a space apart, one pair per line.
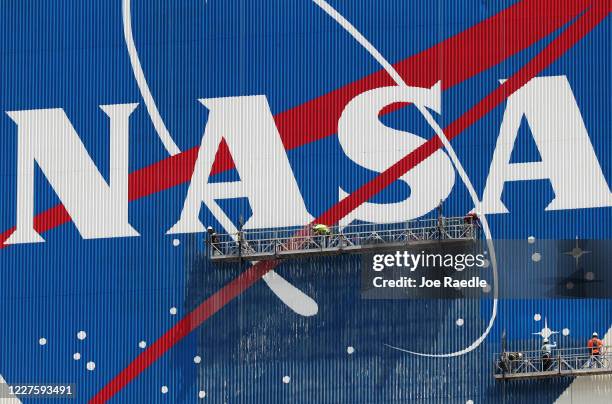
595, 344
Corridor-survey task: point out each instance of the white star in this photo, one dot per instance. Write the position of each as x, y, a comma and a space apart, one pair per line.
576, 252
546, 332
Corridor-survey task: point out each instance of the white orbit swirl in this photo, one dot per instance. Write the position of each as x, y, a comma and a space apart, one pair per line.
344, 23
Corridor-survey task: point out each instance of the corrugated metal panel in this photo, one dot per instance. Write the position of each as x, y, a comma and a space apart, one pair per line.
62, 60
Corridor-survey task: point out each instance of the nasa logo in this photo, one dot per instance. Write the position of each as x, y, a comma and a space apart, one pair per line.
48, 139
95, 192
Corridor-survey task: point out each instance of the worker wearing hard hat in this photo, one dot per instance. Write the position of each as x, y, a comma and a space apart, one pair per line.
472, 219
547, 354
321, 230
212, 234
595, 345
213, 239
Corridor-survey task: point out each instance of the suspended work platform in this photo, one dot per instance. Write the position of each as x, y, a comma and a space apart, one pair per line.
257, 245
570, 362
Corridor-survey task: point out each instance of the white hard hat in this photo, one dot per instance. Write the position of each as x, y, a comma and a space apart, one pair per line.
595, 334
545, 339
209, 228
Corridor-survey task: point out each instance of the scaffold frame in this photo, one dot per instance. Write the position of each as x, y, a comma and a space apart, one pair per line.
257, 245
567, 362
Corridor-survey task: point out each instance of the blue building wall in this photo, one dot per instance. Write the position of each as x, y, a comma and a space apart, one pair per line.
73, 55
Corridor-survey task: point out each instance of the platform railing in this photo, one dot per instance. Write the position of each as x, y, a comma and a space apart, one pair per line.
295, 241
561, 362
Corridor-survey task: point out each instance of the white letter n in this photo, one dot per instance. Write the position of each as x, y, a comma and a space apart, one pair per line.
47, 137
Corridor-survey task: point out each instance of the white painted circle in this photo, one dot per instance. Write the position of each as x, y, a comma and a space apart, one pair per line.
76, 356
486, 263
197, 359
91, 366
42, 341
142, 344
536, 257
589, 276
537, 317
164, 389
531, 239
173, 310
201, 394
176, 242
569, 285
469, 402
487, 288
350, 350
459, 322
286, 379
565, 332
81, 335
